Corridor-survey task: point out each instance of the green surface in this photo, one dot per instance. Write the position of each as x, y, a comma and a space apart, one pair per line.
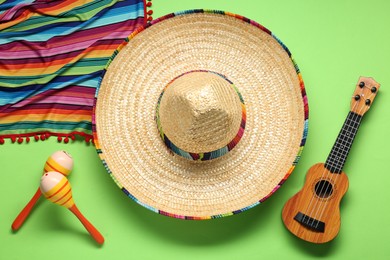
334, 42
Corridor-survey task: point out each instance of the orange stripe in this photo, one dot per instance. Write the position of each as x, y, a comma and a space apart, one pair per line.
63, 197
51, 162
66, 201
92, 52
66, 183
52, 11
46, 169
37, 118
49, 67
24, 16
37, 65
65, 41
45, 111
51, 166
64, 6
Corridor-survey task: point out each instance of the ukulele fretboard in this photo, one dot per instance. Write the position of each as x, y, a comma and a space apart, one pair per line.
338, 155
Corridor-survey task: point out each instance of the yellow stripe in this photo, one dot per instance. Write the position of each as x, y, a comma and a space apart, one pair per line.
50, 68
61, 194
69, 203
55, 166
56, 188
40, 117
66, 201
47, 168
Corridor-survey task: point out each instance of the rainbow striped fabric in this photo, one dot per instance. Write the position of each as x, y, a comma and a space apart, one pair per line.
52, 58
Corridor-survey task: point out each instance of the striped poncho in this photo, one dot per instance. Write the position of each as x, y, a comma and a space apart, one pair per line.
52, 55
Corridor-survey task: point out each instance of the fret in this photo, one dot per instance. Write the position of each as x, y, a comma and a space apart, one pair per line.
338, 160
335, 163
340, 150
352, 124
333, 167
347, 138
336, 157
342, 144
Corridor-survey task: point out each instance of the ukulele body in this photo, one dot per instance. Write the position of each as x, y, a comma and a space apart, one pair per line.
313, 213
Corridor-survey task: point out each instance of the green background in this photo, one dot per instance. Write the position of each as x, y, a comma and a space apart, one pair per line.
334, 42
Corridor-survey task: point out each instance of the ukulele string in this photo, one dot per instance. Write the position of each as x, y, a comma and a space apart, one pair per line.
332, 175
312, 210
319, 190
334, 163
319, 204
325, 188
356, 120
309, 206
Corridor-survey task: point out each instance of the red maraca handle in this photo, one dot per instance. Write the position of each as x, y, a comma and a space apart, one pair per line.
19, 220
91, 229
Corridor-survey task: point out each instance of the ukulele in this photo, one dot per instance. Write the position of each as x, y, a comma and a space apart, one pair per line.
313, 213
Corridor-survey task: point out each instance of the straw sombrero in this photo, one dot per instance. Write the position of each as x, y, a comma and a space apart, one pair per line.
201, 114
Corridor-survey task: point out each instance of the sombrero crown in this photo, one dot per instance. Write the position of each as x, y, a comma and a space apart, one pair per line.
200, 115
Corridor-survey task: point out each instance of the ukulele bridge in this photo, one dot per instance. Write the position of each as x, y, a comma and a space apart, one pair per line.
310, 222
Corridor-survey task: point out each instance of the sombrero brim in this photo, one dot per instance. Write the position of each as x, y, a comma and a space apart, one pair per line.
246, 53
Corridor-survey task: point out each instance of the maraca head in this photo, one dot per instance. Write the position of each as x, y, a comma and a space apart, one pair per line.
59, 161
56, 188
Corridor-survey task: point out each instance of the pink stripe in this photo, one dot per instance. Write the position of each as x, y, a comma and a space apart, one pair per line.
240, 132
58, 100
8, 14
52, 51
56, 41
60, 49
47, 52
305, 102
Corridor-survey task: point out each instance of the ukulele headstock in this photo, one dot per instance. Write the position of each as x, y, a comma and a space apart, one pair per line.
364, 95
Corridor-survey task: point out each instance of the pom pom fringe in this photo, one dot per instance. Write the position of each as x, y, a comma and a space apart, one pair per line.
42, 136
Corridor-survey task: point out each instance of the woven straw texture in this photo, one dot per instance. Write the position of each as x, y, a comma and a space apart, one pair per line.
201, 112
259, 66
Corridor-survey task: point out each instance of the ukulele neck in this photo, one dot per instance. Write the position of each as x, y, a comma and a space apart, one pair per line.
338, 155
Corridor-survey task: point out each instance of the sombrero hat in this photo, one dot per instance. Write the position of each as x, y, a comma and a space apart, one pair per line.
200, 114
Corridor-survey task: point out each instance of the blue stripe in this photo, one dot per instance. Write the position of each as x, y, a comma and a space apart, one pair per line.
6, 5
75, 13
18, 94
112, 16
47, 125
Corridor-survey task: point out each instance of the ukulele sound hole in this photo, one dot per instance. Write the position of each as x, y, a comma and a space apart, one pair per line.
323, 189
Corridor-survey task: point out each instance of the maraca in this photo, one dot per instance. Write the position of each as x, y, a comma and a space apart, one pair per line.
56, 188
59, 161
